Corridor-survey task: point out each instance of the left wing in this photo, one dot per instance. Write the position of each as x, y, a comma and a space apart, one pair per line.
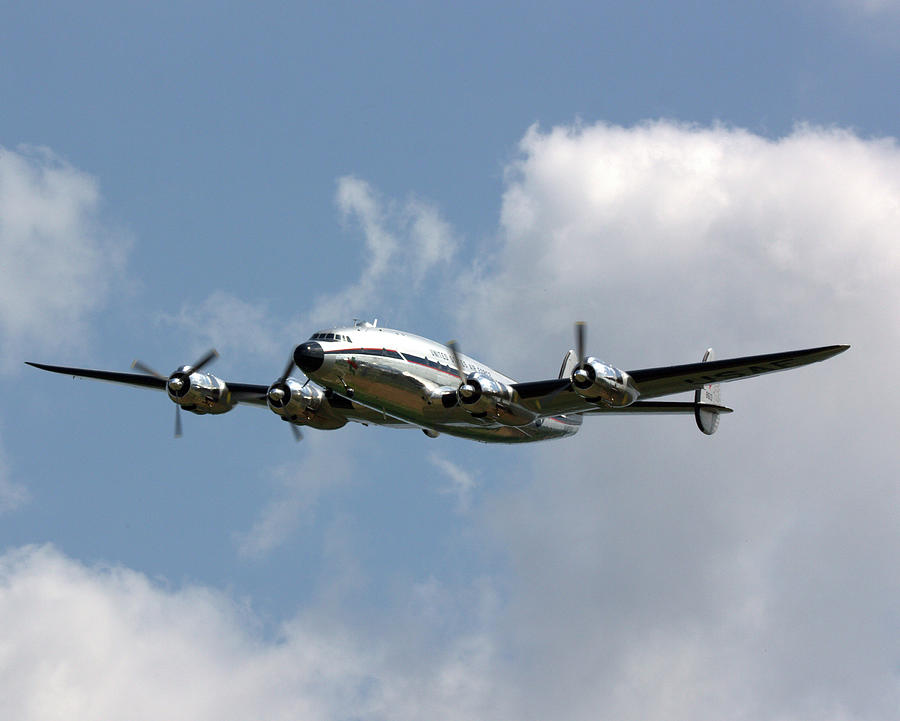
555, 396
240, 392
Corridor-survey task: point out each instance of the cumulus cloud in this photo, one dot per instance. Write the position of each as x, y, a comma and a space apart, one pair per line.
666, 236
404, 243
106, 642
658, 573
60, 259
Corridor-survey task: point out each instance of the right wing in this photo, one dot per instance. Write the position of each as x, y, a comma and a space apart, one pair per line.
664, 381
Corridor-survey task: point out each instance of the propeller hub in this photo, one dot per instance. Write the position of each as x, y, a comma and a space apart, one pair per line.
277, 396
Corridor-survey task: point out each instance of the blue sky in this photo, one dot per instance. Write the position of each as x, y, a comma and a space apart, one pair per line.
678, 175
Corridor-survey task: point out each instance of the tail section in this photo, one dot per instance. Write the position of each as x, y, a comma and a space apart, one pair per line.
707, 400
568, 365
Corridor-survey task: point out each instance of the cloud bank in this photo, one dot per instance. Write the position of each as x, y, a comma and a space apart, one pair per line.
656, 573
676, 235
105, 642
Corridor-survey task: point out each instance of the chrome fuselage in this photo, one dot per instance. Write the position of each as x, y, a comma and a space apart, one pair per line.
391, 376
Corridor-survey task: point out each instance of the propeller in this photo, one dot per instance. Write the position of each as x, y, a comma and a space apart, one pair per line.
279, 394
210, 355
580, 332
580, 375
179, 382
465, 390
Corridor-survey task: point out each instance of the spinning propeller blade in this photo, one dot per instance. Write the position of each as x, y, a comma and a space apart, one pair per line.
137, 365
580, 328
210, 355
178, 376
464, 390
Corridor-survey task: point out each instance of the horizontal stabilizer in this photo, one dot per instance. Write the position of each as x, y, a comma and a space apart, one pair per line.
662, 407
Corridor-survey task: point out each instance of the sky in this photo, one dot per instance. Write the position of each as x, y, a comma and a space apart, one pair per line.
678, 175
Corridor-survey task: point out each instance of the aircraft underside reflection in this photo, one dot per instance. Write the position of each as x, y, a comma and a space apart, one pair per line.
379, 376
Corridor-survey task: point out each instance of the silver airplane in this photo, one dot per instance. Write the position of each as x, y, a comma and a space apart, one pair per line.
386, 377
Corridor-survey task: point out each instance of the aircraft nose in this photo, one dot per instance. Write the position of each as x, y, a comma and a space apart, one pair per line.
309, 356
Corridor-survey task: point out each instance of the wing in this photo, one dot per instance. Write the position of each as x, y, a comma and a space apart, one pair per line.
656, 382
551, 397
240, 392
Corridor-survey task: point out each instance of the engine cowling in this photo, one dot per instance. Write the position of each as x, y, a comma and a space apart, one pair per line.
596, 381
303, 404
488, 398
199, 393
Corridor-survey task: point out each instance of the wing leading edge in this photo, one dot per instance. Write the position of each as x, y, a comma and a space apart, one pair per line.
240, 392
549, 397
666, 380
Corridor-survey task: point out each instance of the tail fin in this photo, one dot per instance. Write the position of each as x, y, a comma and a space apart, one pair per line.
709, 395
568, 365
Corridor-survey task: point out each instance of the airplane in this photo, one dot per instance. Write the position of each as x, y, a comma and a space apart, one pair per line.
386, 377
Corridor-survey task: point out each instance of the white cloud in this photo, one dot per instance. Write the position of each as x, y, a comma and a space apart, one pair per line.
404, 243
231, 324
665, 236
462, 483
101, 643
300, 486
60, 260
658, 573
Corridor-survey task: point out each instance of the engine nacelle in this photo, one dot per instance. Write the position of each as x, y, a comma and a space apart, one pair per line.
199, 393
303, 404
596, 381
488, 398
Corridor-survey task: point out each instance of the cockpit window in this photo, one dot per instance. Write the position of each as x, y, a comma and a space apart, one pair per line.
322, 335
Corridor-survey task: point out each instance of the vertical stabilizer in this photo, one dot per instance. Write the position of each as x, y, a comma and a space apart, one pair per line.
709, 395
568, 364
